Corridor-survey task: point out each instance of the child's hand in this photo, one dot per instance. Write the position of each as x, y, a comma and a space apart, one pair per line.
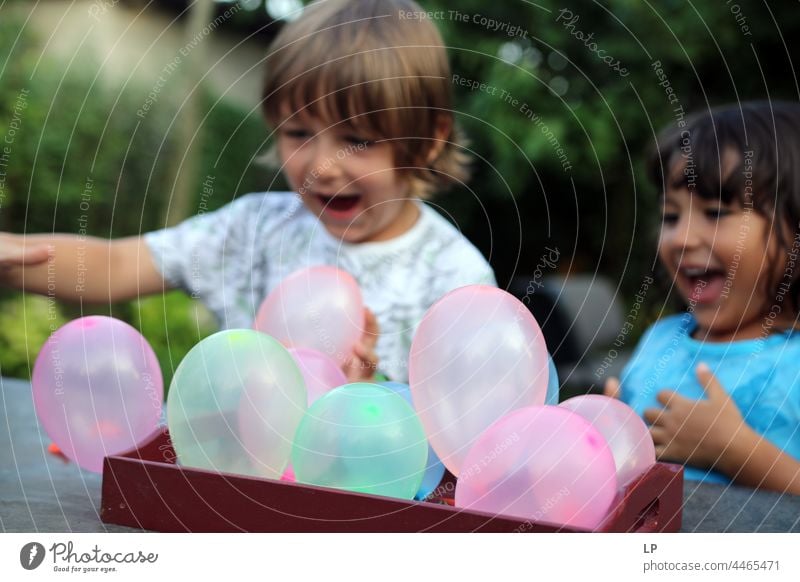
611, 388
364, 363
16, 251
698, 432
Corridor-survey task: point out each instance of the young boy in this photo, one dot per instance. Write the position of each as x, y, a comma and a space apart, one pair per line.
360, 99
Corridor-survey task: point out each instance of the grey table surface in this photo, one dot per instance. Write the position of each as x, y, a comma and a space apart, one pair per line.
39, 492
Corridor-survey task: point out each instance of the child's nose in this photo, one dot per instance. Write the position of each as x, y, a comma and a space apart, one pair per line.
325, 161
687, 232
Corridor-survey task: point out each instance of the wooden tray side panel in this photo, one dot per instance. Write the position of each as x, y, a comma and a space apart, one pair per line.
146, 489
651, 504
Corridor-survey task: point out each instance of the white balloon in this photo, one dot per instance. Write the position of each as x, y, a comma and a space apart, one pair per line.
318, 308
626, 433
477, 355
235, 403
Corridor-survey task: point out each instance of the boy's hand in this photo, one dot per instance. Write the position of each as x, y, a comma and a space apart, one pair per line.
364, 363
16, 251
698, 432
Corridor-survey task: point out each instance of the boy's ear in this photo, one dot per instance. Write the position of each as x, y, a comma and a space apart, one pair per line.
441, 133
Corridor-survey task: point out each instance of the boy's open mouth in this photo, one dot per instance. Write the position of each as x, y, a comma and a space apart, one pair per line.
339, 206
702, 284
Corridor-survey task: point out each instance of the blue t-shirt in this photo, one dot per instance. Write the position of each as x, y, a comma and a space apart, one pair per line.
762, 376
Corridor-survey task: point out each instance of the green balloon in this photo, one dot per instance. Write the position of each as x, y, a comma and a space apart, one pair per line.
361, 437
235, 403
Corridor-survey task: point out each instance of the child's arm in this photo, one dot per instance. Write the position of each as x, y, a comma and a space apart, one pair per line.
754, 461
73, 268
712, 433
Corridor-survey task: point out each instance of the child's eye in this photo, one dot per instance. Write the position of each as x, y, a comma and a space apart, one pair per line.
358, 141
716, 213
670, 218
297, 133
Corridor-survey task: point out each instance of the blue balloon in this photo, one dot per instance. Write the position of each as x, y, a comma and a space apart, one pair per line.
435, 469
552, 383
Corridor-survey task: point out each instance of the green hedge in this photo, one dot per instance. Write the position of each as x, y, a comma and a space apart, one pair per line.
73, 129
602, 211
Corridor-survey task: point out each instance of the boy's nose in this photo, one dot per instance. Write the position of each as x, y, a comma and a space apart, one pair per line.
325, 164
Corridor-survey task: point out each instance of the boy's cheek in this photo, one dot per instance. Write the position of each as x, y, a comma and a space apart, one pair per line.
286, 156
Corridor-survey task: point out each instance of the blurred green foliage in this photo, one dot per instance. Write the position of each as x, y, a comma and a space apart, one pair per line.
601, 213
26, 321
172, 323
75, 127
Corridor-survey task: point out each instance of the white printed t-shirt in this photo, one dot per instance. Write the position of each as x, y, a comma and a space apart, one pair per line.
232, 258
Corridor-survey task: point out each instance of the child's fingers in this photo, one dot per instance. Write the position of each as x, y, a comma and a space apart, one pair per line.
661, 452
659, 435
353, 369
709, 382
352, 372
37, 254
371, 322
371, 329
654, 416
669, 398
368, 357
15, 253
612, 388
362, 365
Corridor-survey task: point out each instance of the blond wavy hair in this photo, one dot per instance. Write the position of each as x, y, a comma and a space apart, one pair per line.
379, 67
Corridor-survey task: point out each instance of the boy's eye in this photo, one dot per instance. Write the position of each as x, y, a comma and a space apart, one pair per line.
358, 141
297, 133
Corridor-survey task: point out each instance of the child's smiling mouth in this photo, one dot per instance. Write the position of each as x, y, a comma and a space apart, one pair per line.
701, 283
340, 206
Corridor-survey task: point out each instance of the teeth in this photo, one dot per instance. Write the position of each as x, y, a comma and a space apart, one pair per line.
694, 272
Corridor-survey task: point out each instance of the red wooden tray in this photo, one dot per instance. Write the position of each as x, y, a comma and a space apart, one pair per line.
146, 489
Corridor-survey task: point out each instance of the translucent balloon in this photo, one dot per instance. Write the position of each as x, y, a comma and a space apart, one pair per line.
234, 404
626, 433
320, 373
477, 355
97, 389
319, 308
552, 382
288, 474
361, 437
542, 463
434, 470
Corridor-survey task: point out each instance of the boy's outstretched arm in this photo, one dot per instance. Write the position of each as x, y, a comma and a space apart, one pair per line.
74, 268
712, 433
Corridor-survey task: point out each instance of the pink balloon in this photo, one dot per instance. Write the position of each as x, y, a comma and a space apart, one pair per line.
626, 433
541, 463
477, 355
321, 374
97, 389
319, 308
